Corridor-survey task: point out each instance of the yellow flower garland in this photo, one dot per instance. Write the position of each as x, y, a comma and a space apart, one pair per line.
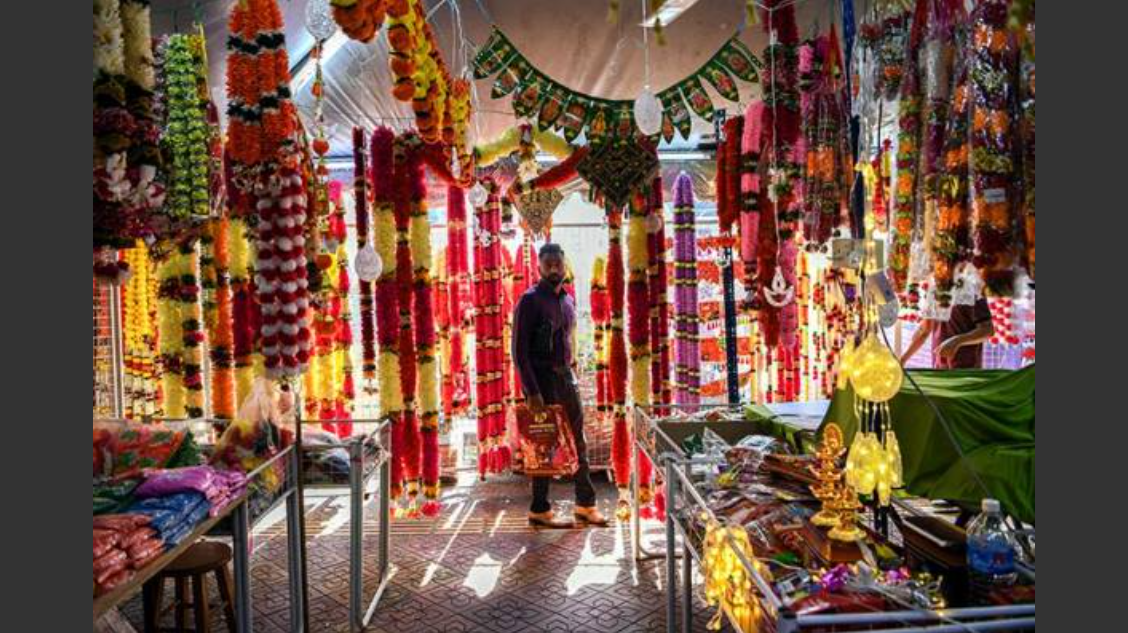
384, 241
140, 335
171, 327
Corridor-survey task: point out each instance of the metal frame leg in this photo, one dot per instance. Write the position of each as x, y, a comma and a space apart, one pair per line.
671, 548
356, 535
386, 570
242, 558
294, 538
687, 586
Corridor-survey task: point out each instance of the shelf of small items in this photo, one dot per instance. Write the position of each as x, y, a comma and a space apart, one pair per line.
781, 542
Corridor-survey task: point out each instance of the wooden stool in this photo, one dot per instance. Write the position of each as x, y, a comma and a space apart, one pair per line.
193, 565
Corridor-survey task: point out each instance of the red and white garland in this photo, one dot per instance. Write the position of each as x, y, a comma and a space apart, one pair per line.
280, 274
489, 326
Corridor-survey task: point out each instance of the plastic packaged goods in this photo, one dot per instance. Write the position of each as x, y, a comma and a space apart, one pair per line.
120, 522
160, 483
140, 447
104, 541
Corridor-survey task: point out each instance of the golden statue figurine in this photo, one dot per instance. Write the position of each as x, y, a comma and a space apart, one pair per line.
846, 506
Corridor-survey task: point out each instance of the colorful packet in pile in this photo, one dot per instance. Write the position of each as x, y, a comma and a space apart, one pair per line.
123, 544
174, 516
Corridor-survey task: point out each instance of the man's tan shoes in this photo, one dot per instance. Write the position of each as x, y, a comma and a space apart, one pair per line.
591, 517
549, 520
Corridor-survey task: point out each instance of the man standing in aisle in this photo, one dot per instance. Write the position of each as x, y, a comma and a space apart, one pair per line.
958, 342
544, 321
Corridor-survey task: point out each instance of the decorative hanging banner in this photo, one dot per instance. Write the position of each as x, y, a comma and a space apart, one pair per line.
558, 107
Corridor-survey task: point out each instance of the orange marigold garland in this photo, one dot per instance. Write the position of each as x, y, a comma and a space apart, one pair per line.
261, 116
360, 19
221, 327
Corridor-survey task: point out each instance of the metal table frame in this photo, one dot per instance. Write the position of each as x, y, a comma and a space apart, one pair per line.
685, 501
243, 526
360, 613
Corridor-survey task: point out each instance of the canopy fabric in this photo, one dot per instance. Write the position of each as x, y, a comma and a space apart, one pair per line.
573, 42
991, 415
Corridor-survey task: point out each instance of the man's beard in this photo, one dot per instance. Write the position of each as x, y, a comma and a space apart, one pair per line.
554, 280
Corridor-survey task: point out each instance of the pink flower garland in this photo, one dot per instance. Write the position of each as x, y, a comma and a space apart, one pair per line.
687, 347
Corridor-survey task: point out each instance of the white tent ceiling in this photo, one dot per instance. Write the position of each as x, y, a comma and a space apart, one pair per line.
572, 41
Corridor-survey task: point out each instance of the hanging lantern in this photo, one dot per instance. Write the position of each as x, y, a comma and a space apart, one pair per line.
648, 113
369, 266
319, 20
876, 375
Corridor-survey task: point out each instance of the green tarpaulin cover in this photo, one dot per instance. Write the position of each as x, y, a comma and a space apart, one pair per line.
991, 414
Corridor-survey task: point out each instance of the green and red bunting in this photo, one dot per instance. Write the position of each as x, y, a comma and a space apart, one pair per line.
558, 107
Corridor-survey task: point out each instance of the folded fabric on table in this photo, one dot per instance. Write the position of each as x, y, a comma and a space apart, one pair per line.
111, 495
177, 532
167, 514
161, 483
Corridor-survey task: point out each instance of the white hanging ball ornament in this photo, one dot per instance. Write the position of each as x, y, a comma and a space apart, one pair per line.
368, 264
319, 20
477, 195
648, 113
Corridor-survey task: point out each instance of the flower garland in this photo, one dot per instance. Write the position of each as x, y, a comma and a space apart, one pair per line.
828, 160
457, 276
382, 200
245, 310
638, 312
334, 336
425, 337
522, 273
404, 170
139, 300
687, 352
221, 332
950, 240
186, 135
658, 290
281, 276
992, 146
126, 154
601, 318
443, 323
750, 190
360, 19
617, 360
387, 317
261, 116
181, 334
489, 325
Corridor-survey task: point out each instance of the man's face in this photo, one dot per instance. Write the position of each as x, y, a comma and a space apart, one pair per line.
552, 269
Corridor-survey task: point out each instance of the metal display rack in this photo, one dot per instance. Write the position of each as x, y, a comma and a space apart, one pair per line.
238, 522
685, 502
369, 458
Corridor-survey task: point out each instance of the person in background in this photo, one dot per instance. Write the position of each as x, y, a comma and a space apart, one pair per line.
958, 342
544, 322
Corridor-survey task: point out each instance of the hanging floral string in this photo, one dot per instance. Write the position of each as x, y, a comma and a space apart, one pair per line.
638, 311
750, 189
443, 323
405, 169
489, 324
601, 318
1028, 147
458, 298
382, 200
994, 102
951, 239
618, 363
425, 338
658, 280
909, 139
221, 332
139, 302
185, 138
687, 353
827, 171
261, 116
244, 309
387, 317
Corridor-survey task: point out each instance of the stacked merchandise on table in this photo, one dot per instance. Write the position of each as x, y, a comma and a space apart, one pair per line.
758, 491
326, 458
123, 544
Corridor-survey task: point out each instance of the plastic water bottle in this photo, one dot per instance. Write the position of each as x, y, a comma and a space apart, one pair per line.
991, 551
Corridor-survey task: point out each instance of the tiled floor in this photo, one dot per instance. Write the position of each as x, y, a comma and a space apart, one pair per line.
476, 568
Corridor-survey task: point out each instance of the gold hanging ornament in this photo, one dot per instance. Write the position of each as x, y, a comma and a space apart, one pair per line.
873, 466
536, 209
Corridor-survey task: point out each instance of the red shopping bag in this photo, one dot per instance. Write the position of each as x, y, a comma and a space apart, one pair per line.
546, 443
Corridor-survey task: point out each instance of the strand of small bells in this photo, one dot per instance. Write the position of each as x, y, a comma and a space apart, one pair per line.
728, 585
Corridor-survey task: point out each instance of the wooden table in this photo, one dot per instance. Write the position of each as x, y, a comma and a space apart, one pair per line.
236, 509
